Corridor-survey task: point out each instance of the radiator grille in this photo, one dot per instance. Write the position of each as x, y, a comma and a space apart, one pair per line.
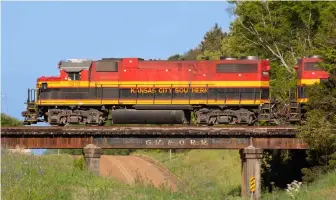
231, 68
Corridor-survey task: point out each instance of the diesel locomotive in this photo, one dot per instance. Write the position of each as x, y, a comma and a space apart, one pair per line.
138, 91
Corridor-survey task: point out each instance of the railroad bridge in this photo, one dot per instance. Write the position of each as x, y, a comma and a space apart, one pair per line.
249, 140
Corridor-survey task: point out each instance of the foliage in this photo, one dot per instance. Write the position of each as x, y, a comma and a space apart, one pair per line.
55, 177
66, 151
280, 167
281, 82
79, 163
80, 151
189, 55
211, 46
281, 31
123, 152
319, 132
293, 188
7, 120
321, 189
201, 172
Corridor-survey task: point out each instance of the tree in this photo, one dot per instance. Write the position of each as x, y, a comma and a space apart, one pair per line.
175, 57
211, 46
320, 130
189, 55
280, 31
283, 32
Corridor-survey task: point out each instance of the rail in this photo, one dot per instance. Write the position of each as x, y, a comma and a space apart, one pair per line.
146, 137
171, 131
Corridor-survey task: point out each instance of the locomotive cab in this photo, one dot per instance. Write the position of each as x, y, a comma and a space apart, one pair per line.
308, 73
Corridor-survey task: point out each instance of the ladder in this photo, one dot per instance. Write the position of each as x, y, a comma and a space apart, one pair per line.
294, 114
265, 112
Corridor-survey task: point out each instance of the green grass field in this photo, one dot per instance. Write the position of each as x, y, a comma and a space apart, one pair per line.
215, 174
55, 177
322, 189
211, 174
203, 174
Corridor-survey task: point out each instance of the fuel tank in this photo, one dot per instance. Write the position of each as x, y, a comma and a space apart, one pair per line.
132, 116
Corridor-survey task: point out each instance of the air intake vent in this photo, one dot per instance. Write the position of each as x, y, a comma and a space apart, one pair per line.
249, 58
315, 56
227, 58
236, 68
75, 65
111, 58
107, 65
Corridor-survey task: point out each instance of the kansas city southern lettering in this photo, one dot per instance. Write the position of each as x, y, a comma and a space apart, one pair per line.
168, 90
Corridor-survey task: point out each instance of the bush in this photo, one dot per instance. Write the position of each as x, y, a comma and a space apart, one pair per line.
79, 163
7, 120
123, 152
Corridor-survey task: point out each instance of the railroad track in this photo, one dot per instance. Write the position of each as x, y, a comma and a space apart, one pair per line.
148, 126
152, 130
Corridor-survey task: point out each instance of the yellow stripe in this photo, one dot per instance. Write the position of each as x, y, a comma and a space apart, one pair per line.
303, 100
130, 102
56, 84
308, 81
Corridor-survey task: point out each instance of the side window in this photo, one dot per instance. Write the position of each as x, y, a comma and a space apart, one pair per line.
74, 76
312, 66
236, 68
299, 63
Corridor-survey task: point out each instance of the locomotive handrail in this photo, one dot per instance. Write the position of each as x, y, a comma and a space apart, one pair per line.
154, 94
172, 93
119, 93
189, 92
176, 84
101, 94
137, 94
255, 95
239, 92
31, 95
207, 86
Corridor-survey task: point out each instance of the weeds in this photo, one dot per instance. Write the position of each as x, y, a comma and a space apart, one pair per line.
59, 177
201, 173
293, 188
79, 163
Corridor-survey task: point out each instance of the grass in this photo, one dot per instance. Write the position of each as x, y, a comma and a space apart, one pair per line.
322, 189
201, 172
59, 177
215, 174
55, 177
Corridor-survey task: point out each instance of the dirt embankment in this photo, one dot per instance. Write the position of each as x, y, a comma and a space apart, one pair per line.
132, 169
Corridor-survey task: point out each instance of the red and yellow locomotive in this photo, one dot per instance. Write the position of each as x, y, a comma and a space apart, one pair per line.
308, 73
137, 91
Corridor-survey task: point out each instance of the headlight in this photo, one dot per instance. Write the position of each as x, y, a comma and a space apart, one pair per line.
265, 73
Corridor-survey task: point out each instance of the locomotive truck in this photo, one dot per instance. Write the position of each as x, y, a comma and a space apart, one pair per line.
138, 91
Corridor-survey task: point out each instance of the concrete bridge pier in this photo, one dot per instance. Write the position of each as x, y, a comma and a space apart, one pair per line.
92, 155
251, 170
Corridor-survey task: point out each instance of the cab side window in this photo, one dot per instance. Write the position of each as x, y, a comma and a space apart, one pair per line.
74, 76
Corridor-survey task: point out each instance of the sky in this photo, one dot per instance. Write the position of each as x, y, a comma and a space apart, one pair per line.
35, 36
